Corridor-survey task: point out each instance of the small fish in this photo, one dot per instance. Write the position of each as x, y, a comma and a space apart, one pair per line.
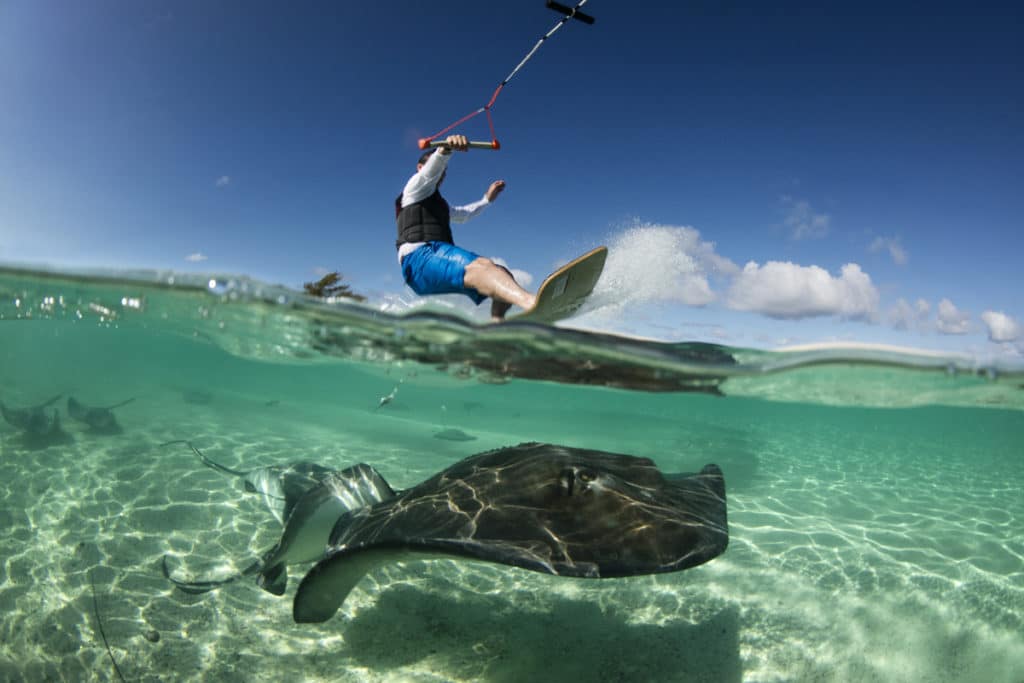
384, 400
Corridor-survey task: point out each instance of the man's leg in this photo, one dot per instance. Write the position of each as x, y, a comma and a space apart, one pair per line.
500, 308
492, 280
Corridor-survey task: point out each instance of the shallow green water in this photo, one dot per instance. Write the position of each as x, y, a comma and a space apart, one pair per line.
876, 519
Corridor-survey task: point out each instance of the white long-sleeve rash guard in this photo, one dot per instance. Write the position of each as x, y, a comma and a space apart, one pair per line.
422, 185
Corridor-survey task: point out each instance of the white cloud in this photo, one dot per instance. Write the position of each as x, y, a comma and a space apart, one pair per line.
787, 290
524, 278
196, 257
951, 320
1001, 327
223, 181
893, 246
803, 222
904, 316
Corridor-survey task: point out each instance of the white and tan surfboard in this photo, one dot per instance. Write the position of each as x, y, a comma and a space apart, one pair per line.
564, 291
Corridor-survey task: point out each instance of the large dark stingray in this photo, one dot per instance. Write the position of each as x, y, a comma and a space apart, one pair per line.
100, 419
551, 509
307, 529
280, 485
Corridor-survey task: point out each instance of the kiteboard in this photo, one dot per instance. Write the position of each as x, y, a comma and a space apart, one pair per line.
564, 291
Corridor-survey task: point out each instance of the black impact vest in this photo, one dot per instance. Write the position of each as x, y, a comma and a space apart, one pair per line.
425, 221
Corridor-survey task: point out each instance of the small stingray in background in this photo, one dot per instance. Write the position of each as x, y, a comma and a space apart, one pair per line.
280, 485
307, 529
454, 435
38, 427
553, 509
33, 419
100, 419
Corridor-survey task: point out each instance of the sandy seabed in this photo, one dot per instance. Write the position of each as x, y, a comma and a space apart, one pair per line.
902, 572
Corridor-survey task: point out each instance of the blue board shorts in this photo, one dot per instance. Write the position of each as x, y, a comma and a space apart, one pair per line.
439, 268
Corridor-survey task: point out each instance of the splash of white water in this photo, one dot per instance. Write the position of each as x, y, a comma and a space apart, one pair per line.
649, 264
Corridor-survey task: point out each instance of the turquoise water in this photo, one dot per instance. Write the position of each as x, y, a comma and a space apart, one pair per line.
876, 519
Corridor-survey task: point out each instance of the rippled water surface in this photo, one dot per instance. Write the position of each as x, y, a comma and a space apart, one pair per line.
876, 520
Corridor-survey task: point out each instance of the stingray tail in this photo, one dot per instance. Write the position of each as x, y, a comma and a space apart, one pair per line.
122, 403
206, 461
99, 624
48, 403
200, 587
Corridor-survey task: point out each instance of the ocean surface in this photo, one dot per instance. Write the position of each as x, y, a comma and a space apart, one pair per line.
875, 502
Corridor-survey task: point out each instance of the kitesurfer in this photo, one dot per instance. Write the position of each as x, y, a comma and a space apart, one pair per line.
430, 261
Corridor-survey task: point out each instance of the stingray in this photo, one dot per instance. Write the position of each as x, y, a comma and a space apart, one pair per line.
35, 420
100, 419
307, 529
454, 435
280, 485
552, 509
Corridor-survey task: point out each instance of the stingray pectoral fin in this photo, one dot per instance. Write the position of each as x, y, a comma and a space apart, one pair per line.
328, 583
710, 478
712, 475
121, 403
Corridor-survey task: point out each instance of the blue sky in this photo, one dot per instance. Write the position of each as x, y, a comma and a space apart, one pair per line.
766, 173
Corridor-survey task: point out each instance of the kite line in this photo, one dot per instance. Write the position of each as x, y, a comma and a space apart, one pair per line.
570, 13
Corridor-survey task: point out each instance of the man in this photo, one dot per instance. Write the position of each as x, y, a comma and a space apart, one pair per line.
431, 263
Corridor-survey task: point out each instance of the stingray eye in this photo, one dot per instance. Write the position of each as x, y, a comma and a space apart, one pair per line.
567, 481
249, 488
586, 476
